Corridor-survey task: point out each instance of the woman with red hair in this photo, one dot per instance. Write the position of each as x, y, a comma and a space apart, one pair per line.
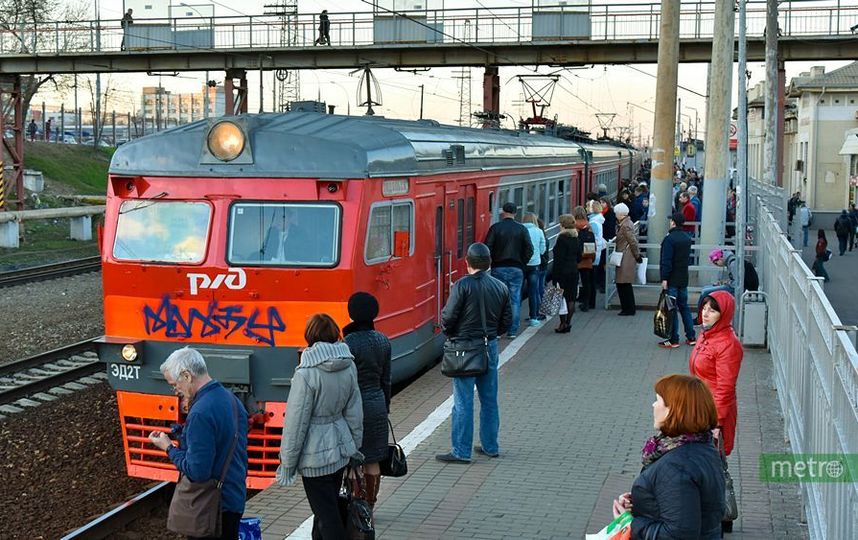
680, 490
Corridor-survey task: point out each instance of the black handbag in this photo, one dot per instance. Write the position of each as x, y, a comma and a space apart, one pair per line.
195, 509
394, 464
355, 512
731, 507
663, 320
468, 357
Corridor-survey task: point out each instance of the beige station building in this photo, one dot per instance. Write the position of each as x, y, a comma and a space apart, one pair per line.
820, 137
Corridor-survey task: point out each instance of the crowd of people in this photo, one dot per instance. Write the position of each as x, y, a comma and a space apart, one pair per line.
336, 425
845, 229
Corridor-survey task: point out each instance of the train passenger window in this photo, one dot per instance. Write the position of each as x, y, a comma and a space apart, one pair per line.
491, 202
384, 220
519, 200
469, 222
552, 202
284, 234
460, 228
530, 203
162, 231
540, 202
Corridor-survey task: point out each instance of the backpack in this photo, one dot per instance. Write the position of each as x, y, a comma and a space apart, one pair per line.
752, 281
588, 248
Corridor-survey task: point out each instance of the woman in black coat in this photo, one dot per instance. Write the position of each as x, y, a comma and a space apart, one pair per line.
371, 350
679, 493
567, 255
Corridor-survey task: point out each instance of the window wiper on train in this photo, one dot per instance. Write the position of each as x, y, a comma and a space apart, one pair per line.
141, 206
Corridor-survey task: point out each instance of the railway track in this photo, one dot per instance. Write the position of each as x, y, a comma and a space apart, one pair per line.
40, 373
125, 514
50, 271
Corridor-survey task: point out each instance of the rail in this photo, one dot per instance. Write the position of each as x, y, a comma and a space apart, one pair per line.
593, 21
815, 372
44, 371
50, 271
114, 521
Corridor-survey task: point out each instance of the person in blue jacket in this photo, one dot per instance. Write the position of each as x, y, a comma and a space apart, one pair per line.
206, 438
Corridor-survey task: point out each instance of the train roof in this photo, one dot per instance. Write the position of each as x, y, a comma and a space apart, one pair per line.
315, 145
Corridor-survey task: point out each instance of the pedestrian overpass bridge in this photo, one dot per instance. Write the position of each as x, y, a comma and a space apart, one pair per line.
587, 32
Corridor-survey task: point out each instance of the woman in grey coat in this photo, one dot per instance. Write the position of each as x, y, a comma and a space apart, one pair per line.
371, 350
324, 424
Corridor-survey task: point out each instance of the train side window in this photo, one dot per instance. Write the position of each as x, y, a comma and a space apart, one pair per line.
552, 202
491, 202
530, 203
460, 228
387, 221
469, 221
540, 202
563, 201
519, 200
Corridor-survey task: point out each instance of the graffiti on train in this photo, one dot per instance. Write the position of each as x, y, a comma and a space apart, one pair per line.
217, 319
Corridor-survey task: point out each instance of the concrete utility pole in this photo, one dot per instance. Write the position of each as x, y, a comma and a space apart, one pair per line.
661, 177
741, 158
771, 102
718, 129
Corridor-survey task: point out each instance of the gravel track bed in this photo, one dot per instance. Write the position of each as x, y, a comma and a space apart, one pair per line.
62, 465
38, 317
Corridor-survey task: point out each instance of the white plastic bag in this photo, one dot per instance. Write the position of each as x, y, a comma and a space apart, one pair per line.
564, 309
640, 271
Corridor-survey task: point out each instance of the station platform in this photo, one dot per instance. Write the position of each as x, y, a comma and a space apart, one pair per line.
575, 411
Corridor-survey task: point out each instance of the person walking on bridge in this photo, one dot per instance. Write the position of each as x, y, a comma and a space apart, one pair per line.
324, 29
125, 23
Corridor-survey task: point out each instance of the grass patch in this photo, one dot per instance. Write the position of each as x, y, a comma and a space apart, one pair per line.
82, 168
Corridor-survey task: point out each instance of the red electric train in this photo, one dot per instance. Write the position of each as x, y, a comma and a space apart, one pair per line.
228, 234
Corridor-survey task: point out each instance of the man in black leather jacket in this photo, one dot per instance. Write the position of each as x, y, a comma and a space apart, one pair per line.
461, 319
511, 249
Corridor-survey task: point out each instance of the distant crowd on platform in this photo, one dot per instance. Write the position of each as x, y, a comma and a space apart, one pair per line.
336, 434
845, 229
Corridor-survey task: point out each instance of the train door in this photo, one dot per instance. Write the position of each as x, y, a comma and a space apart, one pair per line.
458, 216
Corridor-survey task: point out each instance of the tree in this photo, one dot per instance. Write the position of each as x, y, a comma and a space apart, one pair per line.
23, 23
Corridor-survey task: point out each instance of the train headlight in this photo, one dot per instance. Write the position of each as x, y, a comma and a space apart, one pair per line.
226, 141
129, 353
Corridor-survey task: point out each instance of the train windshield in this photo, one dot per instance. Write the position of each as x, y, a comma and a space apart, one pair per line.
284, 234
162, 231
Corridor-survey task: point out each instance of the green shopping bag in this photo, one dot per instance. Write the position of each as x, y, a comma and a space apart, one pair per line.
619, 529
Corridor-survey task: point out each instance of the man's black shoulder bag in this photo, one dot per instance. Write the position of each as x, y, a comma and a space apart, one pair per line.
468, 357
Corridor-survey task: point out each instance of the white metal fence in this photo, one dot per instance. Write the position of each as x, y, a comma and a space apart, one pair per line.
815, 371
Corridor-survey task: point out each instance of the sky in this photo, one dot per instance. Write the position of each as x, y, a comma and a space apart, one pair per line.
581, 93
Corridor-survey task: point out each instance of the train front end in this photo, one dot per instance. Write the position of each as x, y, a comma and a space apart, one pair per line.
233, 265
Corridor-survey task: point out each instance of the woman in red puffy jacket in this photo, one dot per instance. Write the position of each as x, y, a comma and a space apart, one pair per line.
717, 358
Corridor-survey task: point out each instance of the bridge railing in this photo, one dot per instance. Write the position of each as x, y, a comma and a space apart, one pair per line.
816, 376
598, 21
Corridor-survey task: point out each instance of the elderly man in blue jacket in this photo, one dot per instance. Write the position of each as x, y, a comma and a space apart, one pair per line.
206, 439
